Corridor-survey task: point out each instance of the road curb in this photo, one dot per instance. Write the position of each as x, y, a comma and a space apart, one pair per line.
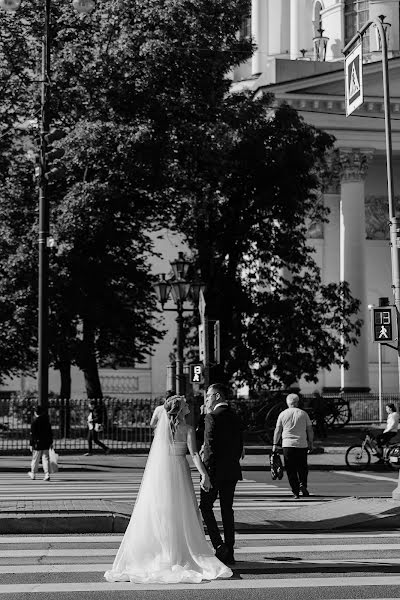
345, 514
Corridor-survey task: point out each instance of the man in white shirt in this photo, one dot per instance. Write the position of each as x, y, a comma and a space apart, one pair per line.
295, 428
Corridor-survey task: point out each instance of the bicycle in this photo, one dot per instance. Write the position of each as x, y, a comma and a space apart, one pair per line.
358, 456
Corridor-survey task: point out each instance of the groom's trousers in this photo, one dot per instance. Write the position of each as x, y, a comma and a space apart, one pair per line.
225, 490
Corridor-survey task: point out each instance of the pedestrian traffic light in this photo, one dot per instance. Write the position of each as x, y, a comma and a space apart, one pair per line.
383, 324
53, 171
196, 373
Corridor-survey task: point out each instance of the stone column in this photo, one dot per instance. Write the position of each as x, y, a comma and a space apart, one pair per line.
294, 29
353, 166
298, 28
259, 32
331, 263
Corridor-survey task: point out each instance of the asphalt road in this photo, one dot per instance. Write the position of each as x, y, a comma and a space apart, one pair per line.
279, 566
374, 482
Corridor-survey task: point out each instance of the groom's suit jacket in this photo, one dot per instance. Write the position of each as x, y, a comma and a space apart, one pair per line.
223, 444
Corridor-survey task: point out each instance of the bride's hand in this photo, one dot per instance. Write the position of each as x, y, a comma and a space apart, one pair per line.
205, 483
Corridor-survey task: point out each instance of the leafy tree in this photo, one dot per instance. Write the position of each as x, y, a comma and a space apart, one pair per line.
119, 68
250, 183
100, 228
18, 287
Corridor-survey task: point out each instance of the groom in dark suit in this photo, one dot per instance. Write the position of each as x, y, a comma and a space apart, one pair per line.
222, 451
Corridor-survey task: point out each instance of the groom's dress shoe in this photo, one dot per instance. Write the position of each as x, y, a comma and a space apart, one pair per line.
222, 552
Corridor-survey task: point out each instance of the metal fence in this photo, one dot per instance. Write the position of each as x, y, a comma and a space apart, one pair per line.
365, 407
126, 424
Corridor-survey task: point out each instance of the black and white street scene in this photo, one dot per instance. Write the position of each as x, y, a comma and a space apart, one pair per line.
199, 299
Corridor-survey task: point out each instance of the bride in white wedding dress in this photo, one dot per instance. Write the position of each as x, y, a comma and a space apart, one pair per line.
164, 541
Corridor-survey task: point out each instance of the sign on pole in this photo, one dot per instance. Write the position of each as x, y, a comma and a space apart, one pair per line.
353, 66
383, 324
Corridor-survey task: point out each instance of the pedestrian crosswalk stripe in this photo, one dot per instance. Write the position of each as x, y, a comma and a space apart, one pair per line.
294, 564
366, 476
217, 584
89, 567
116, 537
54, 552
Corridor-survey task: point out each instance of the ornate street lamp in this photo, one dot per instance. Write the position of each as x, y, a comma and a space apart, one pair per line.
162, 288
320, 44
181, 290
386, 29
82, 6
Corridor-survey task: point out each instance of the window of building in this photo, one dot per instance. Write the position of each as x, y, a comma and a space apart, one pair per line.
356, 14
317, 20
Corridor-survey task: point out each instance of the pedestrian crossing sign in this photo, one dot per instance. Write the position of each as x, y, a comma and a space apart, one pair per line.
353, 65
383, 321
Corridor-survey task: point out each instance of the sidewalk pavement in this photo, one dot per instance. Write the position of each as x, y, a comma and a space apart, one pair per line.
102, 516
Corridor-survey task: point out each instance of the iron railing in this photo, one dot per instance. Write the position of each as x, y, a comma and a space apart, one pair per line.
126, 424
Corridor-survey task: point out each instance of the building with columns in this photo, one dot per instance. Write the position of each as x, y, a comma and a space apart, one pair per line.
299, 59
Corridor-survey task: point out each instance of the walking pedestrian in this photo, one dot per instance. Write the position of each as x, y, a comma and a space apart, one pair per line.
319, 409
222, 451
41, 440
294, 427
95, 425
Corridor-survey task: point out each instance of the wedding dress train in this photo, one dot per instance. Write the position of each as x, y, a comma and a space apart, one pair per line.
165, 541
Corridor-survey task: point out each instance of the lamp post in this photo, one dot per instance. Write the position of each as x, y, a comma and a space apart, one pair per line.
181, 290
81, 6
320, 44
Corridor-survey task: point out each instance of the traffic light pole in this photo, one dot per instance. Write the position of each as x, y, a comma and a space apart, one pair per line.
394, 221
43, 302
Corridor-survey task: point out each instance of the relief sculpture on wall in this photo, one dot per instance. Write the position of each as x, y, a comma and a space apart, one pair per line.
377, 216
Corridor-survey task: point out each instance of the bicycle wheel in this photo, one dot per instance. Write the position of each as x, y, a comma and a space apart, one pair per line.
394, 454
357, 457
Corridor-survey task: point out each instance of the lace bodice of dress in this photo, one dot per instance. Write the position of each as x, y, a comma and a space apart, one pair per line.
180, 445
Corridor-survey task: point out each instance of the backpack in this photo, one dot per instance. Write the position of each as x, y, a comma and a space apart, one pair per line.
276, 466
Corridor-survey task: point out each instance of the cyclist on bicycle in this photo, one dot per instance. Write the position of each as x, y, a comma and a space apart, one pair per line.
390, 430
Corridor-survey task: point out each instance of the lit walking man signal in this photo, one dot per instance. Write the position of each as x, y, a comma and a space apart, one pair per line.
383, 333
383, 324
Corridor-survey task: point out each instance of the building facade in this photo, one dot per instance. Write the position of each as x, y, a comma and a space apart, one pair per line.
290, 62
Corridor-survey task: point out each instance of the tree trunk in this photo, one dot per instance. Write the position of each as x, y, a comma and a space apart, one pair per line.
65, 395
88, 362
65, 374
